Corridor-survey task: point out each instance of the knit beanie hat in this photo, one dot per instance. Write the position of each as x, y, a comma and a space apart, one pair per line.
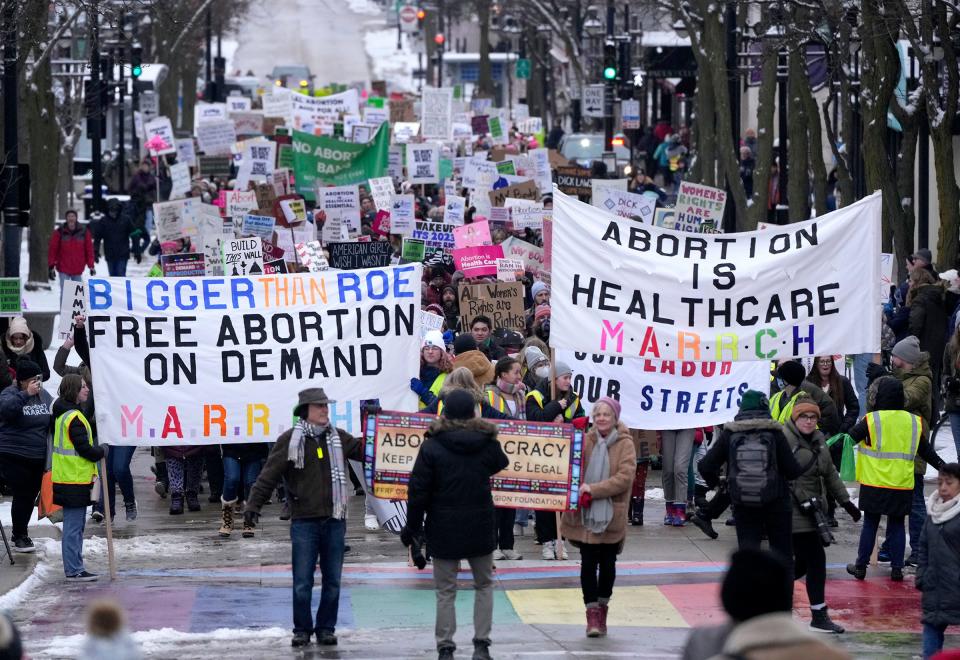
792, 372
27, 369
542, 312
434, 338
563, 369
464, 343
533, 355
459, 404
908, 350
804, 405
753, 400
537, 287
613, 403
18, 326
758, 582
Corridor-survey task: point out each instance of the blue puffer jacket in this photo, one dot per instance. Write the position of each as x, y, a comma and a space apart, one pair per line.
24, 422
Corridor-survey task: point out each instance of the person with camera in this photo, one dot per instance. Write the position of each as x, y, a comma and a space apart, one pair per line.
311, 459
450, 486
890, 438
811, 530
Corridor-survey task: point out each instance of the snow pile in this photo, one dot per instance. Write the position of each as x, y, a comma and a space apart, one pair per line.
655, 494
45, 568
387, 63
229, 641
364, 7
7, 519
159, 545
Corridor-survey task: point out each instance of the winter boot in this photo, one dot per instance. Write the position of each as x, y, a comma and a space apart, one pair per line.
247, 532
131, 510
704, 525
193, 504
671, 513
593, 621
481, 650
636, 511
896, 574
227, 517
679, 514
176, 504
821, 622
604, 608
163, 484
858, 571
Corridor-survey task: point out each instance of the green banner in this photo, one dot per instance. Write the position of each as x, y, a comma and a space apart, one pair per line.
323, 160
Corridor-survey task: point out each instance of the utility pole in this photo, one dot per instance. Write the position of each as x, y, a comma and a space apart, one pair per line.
608, 86
11, 171
121, 97
95, 111
208, 78
136, 53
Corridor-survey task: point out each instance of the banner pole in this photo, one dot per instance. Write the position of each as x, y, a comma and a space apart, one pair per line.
108, 518
553, 397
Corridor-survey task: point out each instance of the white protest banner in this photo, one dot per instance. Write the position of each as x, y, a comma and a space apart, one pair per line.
699, 207
625, 288
311, 256
220, 360
402, 215
238, 103
454, 209
160, 127
216, 138
73, 302
625, 204
260, 226
658, 395
186, 152
242, 256
382, 189
423, 163
436, 109
179, 180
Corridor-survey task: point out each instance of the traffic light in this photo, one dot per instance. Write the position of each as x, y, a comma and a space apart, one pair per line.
610, 65
421, 16
136, 64
439, 39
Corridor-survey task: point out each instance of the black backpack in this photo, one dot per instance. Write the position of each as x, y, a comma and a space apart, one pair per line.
752, 468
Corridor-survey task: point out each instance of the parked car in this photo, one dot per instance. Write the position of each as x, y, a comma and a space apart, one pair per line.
585, 148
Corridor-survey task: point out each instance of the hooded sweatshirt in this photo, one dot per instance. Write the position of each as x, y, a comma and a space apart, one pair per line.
24, 422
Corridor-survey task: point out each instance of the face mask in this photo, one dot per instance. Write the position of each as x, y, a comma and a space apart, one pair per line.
542, 372
781, 383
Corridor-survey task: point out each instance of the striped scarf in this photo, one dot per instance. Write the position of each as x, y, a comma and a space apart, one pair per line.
338, 468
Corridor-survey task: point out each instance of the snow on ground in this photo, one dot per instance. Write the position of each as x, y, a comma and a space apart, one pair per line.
389, 64
364, 7
45, 568
230, 641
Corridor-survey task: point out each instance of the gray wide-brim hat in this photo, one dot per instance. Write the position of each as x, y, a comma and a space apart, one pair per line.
308, 396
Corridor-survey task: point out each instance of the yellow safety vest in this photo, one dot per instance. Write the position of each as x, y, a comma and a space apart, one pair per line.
440, 409
567, 414
887, 462
69, 467
496, 401
783, 415
435, 388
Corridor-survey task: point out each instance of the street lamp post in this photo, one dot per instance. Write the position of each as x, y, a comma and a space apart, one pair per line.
608, 84
11, 196
94, 118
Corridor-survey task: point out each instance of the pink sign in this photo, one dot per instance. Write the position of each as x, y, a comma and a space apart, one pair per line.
381, 224
472, 235
478, 261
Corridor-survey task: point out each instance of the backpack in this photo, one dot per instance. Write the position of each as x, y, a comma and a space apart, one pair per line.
752, 465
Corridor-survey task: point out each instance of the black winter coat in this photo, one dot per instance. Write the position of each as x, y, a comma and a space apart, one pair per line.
938, 572
450, 484
551, 408
114, 235
928, 319
74, 495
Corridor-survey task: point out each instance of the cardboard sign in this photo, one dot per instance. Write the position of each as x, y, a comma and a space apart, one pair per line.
510, 270
574, 180
239, 202
699, 208
160, 127
353, 256
311, 256
435, 235
382, 191
525, 214
73, 303
474, 234
401, 111
543, 472
413, 250
402, 216
247, 123
169, 219
182, 264
501, 302
478, 261
454, 210
260, 226
186, 152
423, 163
290, 210
526, 190
242, 256
216, 138
179, 180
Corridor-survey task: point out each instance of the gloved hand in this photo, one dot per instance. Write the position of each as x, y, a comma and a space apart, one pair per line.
93, 271
448, 337
874, 371
250, 518
580, 423
406, 536
52, 273
852, 509
418, 387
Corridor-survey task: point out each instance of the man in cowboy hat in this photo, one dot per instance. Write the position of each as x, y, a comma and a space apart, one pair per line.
311, 457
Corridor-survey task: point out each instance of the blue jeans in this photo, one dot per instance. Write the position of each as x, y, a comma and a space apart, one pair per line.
896, 539
117, 267
71, 543
118, 474
932, 639
64, 278
309, 538
860, 362
918, 515
237, 472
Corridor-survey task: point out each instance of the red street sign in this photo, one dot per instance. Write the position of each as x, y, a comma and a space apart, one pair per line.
408, 14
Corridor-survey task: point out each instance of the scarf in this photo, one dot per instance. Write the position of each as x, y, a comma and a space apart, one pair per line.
510, 388
940, 511
26, 349
596, 518
338, 470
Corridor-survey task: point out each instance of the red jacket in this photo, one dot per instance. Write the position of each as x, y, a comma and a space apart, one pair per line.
71, 251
